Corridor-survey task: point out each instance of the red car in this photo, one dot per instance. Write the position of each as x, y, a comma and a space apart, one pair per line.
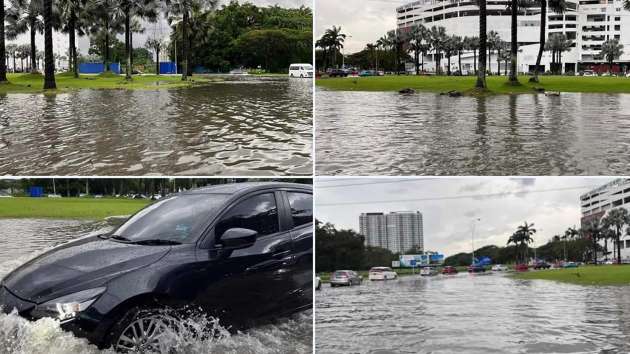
449, 270
521, 268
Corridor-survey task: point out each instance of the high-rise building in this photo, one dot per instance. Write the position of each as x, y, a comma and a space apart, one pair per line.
587, 23
598, 202
398, 232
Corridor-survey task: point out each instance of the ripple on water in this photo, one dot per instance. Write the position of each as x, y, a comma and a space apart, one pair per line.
23, 239
472, 314
242, 127
383, 133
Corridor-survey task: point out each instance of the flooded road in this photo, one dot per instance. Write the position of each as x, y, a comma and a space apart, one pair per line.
23, 239
246, 126
384, 133
472, 314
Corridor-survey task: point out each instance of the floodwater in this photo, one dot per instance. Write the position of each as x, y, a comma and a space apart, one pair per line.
386, 133
23, 239
244, 126
472, 314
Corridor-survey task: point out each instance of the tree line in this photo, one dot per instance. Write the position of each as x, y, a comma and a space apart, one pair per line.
201, 33
72, 187
396, 46
582, 244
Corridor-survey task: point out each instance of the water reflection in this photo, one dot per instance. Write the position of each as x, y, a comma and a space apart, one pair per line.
472, 314
384, 133
245, 127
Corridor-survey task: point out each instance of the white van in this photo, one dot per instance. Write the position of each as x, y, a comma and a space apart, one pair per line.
301, 70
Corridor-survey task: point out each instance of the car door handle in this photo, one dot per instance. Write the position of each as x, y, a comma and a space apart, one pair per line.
281, 254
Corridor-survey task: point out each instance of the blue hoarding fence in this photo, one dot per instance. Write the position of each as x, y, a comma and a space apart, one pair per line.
97, 68
168, 67
36, 191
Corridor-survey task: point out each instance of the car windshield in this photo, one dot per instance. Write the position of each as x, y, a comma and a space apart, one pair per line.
172, 220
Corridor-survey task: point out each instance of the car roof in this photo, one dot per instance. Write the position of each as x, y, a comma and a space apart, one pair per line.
245, 187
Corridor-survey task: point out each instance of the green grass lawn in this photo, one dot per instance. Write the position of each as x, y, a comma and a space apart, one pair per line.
587, 275
33, 83
496, 84
68, 208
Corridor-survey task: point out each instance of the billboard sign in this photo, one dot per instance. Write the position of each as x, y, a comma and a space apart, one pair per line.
420, 260
395, 264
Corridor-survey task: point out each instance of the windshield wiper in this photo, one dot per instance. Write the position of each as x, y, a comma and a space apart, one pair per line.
120, 238
156, 242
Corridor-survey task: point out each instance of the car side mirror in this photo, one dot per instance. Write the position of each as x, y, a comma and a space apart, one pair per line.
237, 238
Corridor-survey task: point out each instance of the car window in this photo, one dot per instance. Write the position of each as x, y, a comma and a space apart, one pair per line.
258, 213
177, 218
301, 205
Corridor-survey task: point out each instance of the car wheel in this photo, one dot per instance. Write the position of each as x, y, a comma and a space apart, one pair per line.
145, 330
301, 76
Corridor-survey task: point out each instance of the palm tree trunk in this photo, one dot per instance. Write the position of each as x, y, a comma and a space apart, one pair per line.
514, 42
448, 62
49, 59
3, 66
422, 60
417, 60
185, 48
499, 63
127, 41
157, 60
33, 49
106, 60
541, 48
72, 44
459, 59
481, 73
475, 60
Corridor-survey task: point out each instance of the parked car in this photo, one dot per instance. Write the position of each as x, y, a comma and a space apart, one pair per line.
499, 268
476, 269
382, 273
449, 270
367, 73
301, 70
338, 73
239, 252
570, 265
345, 278
318, 283
521, 268
542, 265
428, 271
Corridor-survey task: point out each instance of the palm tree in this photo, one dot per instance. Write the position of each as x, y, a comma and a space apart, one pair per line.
24, 16
557, 6
557, 44
593, 231
155, 44
145, 9
183, 11
611, 50
458, 44
104, 22
472, 44
324, 43
3, 66
75, 19
335, 41
23, 50
493, 43
450, 49
12, 50
396, 41
49, 58
570, 234
514, 5
370, 47
502, 47
382, 43
419, 44
522, 238
617, 219
483, 41
438, 40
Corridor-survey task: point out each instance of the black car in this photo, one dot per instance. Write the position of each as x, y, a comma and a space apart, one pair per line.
241, 252
338, 73
542, 265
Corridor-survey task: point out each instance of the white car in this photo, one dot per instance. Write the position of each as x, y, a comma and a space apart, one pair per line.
382, 273
318, 283
428, 271
301, 70
499, 268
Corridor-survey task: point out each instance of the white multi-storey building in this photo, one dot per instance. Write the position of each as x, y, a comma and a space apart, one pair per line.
598, 202
588, 23
398, 231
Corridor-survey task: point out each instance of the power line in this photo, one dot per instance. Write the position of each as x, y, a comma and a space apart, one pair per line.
370, 183
468, 196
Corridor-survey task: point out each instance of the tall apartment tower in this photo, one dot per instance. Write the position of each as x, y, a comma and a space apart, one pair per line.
398, 232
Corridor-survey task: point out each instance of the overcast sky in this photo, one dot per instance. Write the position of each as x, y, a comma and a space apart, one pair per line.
365, 21
60, 41
551, 203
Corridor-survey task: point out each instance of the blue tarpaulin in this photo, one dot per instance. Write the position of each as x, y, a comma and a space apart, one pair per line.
97, 68
168, 67
36, 191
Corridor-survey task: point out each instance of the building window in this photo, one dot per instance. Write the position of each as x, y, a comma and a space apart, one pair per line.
617, 27
627, 243
617, 18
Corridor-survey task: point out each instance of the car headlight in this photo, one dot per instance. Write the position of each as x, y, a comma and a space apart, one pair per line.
67, 307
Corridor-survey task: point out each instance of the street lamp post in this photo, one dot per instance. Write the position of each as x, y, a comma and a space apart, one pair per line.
472, 239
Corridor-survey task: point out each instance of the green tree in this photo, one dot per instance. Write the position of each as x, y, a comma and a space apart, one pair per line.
419, 44
472, 44
49, 58
556, 6
3, 67
12, 51
522, 238
155, 44
25, 16
557, 44
617, 219
494, 41
335, 39
611, 50
593, 231
439, 40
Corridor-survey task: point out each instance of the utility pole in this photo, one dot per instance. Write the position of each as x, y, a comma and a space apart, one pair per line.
472, 240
